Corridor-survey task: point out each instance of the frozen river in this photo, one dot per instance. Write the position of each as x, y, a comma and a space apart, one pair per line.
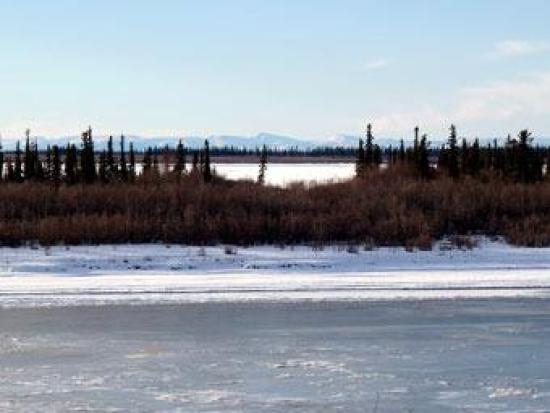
460, 355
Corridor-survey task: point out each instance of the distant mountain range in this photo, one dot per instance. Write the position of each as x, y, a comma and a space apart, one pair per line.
249, 142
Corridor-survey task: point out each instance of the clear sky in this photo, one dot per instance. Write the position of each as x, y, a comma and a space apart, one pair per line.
307, 68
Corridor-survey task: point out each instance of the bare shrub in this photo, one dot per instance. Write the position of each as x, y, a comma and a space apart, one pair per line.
391, 208
369, 244
230, 250
463, 242
317, 246
352, 249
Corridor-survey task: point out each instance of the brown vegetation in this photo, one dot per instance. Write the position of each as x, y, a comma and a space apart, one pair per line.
385, 207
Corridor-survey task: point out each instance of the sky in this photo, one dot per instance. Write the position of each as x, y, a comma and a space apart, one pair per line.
304, 68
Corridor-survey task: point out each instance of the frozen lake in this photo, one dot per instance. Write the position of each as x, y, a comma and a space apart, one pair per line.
404, 356
285, 174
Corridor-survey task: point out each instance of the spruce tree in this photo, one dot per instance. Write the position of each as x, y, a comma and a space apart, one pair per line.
423, 161
87, 158
132, 167
395, 155
416, 139
38, 167
156, 167
390, 154
523, 155
123, 165
111, 165
377, 156
369, 147
147, 163
442, 159
18, 168
195, 164
527, 160
263, 165
360, 162
11, 171
412, 152
71, 164
402, 151
201, 163
48, 169
56, 165
29, 162
452, 155
179, 166
464, 156
207, 171
495, 154
476, 163
102, 169
166, 159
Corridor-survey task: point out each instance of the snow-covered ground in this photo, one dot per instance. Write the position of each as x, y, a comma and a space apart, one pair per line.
137, 274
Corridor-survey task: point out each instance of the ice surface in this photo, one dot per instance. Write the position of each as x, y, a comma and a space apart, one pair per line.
467, 356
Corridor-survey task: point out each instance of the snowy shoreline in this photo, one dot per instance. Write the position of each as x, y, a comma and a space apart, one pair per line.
153, 274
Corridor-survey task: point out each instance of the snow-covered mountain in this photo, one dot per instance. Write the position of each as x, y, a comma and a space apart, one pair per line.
141, 142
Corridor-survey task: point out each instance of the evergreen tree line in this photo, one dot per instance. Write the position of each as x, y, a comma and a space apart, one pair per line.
72, 165
517, 159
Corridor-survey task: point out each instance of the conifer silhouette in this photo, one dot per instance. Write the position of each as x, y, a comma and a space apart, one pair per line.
263, 165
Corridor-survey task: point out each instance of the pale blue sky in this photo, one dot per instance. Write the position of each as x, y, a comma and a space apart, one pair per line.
309, 68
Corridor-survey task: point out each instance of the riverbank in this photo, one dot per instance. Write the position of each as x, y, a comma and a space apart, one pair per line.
168, 274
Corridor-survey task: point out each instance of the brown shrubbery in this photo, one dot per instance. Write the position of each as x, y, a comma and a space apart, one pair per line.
384, 208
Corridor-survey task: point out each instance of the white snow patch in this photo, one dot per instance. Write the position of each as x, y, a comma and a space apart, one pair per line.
505, 392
